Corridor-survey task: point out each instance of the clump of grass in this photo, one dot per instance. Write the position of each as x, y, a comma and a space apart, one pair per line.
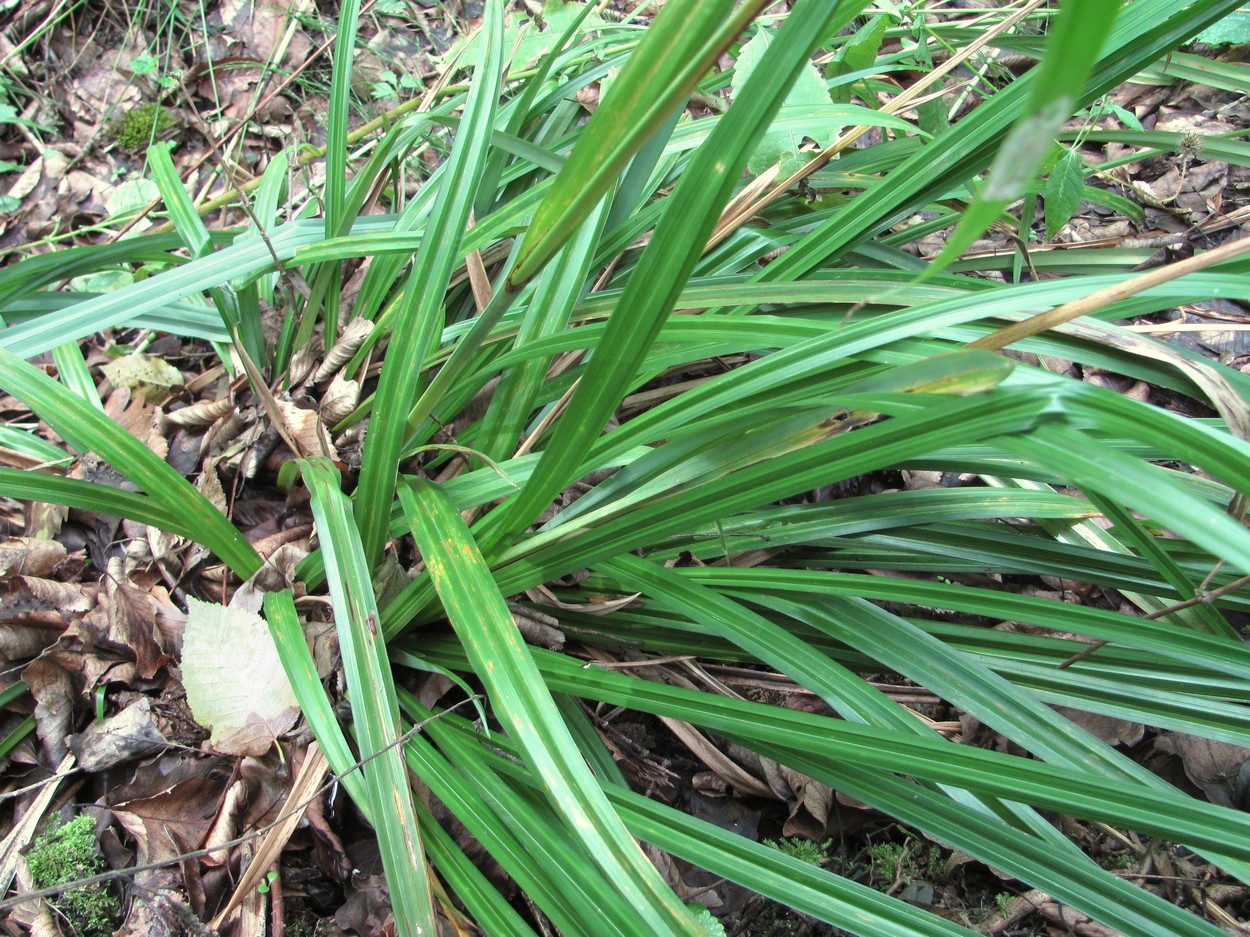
66, 853
840, 367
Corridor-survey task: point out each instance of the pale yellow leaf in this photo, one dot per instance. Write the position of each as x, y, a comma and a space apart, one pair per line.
234, 680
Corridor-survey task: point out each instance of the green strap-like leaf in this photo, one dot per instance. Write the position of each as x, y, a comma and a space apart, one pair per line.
72, 417
522, 702
675, 53
416, 326
371, 690
670, 257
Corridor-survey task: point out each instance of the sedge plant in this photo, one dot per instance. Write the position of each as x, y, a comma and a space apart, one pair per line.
617, 300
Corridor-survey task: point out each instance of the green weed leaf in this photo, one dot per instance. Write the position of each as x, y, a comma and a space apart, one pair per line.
858, 53
1063, 192
782, 146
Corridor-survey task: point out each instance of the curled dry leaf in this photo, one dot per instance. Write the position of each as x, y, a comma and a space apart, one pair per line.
209, 485
302, 364
350, 340
339, 399
368, 908
809, 813
24, 641
307, 429
277, 573
312, 773
711, 755
47, 169
260, 30
537, 627
201, 414
597, 604
809, 801
29, 594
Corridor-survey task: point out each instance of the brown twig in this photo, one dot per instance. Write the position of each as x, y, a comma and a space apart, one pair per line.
1201, 597
1099, 299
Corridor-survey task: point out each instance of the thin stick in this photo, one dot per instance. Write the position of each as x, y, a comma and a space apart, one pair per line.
1200, 598
1035, 325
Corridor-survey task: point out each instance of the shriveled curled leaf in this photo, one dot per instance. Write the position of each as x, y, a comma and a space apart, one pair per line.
29, 556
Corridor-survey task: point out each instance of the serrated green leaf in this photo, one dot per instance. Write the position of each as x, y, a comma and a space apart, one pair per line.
859, 52
1063, 191
808, 90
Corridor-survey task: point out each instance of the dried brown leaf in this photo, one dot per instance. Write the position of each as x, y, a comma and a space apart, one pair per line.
124, 623
312, 773
29, 556
308, 429
162, 823
339, 399
203, 413
24, 641
809, 813
129, 734
137, 416
1111, 730
349, 342
717, 760
1221, 769
43, 174
41, 604
209, 485
52, 686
